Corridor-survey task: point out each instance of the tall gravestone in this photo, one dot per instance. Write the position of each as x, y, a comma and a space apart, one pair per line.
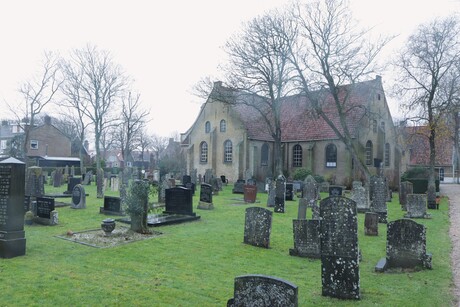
205, 197
405, 189
193, 176
339, 248
35, 186
258, 227
311, 194
416, 206
307, 241
261, 290
371, 224
379, 198
12, 188
406, 246
58, 178
289, 194
360, 196
280, 194
179, 200
302, 210
271, 192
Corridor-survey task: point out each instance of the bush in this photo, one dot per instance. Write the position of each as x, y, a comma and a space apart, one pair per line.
301, 173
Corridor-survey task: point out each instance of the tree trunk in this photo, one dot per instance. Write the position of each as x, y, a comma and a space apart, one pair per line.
431, 173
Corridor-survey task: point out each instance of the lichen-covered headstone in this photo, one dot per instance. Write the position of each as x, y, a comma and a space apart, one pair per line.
406, 246
339, 248
280, 194
205, 197
379, 198
306, 239
416, 206
35, 186
261, 290
405, 189
360, 196
371, 224
271, 193
258, 227
78, 197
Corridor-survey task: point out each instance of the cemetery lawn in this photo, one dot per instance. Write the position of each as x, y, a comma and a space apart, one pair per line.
195, 263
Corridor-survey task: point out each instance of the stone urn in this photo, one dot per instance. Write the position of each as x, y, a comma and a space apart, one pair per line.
108, 225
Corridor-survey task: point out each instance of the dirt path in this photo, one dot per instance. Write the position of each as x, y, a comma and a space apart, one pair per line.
453, 192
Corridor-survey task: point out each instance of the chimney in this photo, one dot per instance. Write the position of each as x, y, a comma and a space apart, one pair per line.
378, 78
47, 120
217, 84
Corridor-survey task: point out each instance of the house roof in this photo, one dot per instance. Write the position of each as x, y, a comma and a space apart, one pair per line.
416, 138
298, 119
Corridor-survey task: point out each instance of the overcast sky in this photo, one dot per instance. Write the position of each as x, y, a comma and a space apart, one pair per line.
166, 46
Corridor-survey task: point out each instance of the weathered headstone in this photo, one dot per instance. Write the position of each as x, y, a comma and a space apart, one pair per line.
45, 211
261, 290
208, 175
310, 189
35, 183
114, 183
112, 206
78, 197
406, 246
12, 187
405, 189
162, 190
72, 182
379, 204
88, 178
193, 176
57, 179
302, 210
280, 194
179, 200
307, 241
335, 190
297, 186
289, 191
271, 193
250, 193
205, 197
324, 187
72, 171
238, 186
215, 185
416, 206
361, 197
339, 248
371, 224
258, 226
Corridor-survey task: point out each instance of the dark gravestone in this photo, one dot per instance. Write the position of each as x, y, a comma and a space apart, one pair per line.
44, 207
302, 210
26, 203
416, 206
78, 197
35, 182
179, 200
186, 179
335, 190
112, 206
57, 179
261, 290
280, 194
371, 224
257, 227
339, 248
71, 184
250, 193
405, 189
191, 186
271, 193
12, 187
289, 191
205, 197
306, 239
379, 197
406, 246
238, 186
224, 180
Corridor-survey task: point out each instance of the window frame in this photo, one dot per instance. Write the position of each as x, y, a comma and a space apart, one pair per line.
331, 157
207, 127
369, 152
203, 152
228, 151
223, 126
33, 144
297, 153
264, 154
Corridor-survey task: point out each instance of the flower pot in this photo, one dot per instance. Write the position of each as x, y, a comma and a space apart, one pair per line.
108, 225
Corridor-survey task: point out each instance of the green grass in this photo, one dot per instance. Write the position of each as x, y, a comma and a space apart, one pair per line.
194, 264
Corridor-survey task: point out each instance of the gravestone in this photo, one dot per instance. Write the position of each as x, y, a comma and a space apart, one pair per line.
72, 182
57, 179
261, 290
250, 193
12, 187
339, 248
335, 190
238, 187
186, 179
215, 185
205, 197
324, 187
46, 214
416, 206
193, 176
289, 191
297, 186
179, 200
280, 194
26, 203
162, 190
307, 241
35, 183
114, 184
302, 210
257, 227
310, 189
208, 175
224, 180
271, 193
191, 186
371, 224
405, 189
379, 204
360, 196
78, 197
112, 206
88, 178
406, 246
247, 175
72, 171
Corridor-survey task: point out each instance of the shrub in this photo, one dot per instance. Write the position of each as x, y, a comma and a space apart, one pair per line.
301, 173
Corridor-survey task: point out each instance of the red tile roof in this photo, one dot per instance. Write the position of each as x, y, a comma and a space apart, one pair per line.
298, 122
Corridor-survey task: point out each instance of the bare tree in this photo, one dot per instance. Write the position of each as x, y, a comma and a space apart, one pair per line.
38, 92
424, 65
328, 53
101, 82
259, 67
145, 142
